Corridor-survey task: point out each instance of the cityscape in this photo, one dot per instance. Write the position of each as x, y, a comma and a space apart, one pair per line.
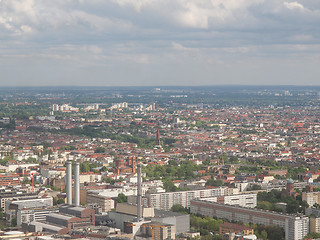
159, 120
227, 162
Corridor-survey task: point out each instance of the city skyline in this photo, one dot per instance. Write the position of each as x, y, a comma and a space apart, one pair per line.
159, 43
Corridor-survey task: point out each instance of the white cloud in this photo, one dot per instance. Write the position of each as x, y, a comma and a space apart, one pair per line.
293, 5
183, 33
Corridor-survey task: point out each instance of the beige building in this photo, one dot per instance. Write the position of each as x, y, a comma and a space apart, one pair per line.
88, 177
311, 198
315, 224
106, 203
227, 227
158, 231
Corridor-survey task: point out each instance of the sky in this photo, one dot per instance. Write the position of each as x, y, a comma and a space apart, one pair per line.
159, 42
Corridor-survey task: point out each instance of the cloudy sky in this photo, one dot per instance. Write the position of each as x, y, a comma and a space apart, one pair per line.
159, 42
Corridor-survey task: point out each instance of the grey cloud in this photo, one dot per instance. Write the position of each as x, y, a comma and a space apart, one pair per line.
115, 38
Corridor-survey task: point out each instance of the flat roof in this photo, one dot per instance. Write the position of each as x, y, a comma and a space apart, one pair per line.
162, 213
60, 216
48, 226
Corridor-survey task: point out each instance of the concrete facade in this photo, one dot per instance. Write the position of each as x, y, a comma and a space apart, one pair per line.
164, 201
295, 227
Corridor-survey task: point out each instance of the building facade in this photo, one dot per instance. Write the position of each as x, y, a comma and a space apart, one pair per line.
30, 215
311, 198
315, 224
242, 200
295, 227
106, 203
164, 201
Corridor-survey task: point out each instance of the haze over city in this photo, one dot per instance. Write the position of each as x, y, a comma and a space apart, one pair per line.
167, 42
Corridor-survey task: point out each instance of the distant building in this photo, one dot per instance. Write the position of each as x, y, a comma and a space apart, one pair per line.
64, 108
9, 179
119, 106
315, 224
128, 166
13, 208
106, 203
295, 226
126, 213
68, 218
28, 215
290, 189
227, 227
161, 231
311, 198
10, 195
164, 201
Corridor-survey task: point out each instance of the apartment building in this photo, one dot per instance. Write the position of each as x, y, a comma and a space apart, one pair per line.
242, 200
159, 231
311, 197
295, 226
315, 224
164, 201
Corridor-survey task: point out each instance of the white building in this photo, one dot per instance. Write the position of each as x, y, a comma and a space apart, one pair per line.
295, 227
164, 201
33, 214
242, 200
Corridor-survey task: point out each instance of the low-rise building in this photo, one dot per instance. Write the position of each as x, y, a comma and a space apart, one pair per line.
227, 227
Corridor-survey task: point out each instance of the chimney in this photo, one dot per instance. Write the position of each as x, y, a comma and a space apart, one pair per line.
69, 183
77, 184
139, 195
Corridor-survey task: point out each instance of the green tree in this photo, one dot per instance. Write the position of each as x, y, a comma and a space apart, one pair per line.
100, 150
121, 198
214, 183
103, 169
169, 185
312, 235
179, 208
13, 222
264, 235
256, 187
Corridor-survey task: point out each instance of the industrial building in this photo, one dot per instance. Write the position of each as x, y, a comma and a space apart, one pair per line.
106, 203
10, 194
28, 210
145, 222
69, 217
